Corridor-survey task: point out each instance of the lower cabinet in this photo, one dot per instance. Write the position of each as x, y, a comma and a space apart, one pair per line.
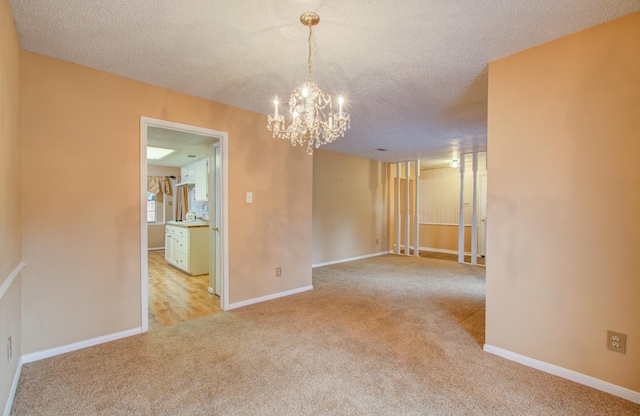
187, 248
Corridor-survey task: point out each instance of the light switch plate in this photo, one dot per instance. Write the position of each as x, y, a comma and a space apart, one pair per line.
249, 197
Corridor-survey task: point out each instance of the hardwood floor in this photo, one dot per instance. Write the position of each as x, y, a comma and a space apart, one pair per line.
175, 296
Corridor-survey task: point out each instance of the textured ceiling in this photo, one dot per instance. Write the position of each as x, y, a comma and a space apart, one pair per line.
188, 147
413, 72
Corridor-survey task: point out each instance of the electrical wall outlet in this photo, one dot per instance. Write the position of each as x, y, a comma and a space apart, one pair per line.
616, 341
278, 271
377, 241
9, 349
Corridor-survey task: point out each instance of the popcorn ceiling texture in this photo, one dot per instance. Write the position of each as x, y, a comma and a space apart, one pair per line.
413, 72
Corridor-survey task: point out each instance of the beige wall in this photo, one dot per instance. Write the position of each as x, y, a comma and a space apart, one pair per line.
349, 206
155, 232
564, 237
10, 202
82, 278
443, 237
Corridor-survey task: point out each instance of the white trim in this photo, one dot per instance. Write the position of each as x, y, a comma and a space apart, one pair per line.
144, 231
12, 276
416, 213
397, 207
224, 147
443, 223
269, 297
580, 378
40, 355
155, 248
223, 138
14, 388
441, 250
366, 256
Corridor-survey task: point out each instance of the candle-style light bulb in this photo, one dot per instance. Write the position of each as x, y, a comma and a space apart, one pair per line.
340, 102
275, 102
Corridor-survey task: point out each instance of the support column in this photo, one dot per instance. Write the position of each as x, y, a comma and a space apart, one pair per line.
407, 225
398, 213
474, 223
461, 217
416, 214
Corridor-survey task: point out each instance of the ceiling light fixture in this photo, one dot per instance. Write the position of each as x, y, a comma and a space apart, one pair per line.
454, 163
310, 125
157, 153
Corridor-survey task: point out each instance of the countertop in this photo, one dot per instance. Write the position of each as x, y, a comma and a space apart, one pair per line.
188, 224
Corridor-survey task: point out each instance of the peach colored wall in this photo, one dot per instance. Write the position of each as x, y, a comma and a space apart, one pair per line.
83, 255
10, 201
443, 237
564, 238
349, 206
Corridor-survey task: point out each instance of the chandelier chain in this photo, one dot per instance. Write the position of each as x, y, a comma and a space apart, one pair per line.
309, 59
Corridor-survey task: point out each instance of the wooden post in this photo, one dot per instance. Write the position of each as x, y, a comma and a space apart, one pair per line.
474, 224
398, 213
407, 225
416, 214
461, 217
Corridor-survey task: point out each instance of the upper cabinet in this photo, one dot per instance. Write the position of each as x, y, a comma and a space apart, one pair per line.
201, 173
197, 174
188, 173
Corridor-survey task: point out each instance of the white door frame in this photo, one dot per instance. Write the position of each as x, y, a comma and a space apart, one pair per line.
482, 227
215, 219
146, 122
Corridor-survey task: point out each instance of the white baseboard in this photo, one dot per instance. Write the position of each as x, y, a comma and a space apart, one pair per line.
155, 248
366, 256
40, 355
443, 250
437, 250
14, 388
268, 297
632, 396
35, 356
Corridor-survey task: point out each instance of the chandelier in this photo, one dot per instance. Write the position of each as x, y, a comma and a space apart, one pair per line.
314, 122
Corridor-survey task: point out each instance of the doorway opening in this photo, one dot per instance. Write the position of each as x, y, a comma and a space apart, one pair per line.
184, 236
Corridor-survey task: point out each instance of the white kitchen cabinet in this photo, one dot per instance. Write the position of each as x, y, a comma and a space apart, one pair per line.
170, 249
201, 172
188, 172
187, 248
197, 174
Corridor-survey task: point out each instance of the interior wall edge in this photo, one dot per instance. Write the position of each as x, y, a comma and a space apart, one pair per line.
14, 388
12, 276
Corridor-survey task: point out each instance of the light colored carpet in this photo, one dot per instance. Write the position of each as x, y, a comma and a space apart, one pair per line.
383, 336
